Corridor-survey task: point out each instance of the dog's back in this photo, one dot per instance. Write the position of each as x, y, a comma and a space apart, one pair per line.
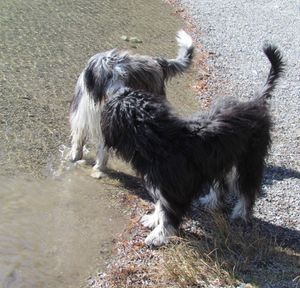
120, 67
136, 71
236, 127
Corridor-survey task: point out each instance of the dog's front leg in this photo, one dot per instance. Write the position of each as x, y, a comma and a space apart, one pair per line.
152, 220
162, 232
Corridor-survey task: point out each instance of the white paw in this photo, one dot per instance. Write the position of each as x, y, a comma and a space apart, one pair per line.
98, 174
160, 235
150, 221
96, 167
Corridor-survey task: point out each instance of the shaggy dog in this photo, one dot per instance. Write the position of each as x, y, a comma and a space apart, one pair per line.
178, 157
102, 72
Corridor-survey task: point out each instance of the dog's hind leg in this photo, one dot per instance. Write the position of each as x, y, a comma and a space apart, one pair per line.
78, 135
214, 199
79, 120
249, 180
101, 161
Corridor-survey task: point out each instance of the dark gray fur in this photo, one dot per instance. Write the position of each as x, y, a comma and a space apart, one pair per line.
178, 157
119, 67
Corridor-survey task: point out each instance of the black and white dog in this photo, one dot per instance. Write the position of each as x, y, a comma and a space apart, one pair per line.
102, 72
177, 157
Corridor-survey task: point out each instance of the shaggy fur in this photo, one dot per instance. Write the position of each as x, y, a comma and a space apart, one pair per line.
224, 148
118, 68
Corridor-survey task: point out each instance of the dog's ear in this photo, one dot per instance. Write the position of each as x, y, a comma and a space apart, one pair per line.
89, 77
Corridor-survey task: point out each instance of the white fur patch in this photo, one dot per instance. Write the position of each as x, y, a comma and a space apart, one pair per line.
232, 181
240, 210
101, 158
152, 220
210, 200
85, 121
184, 40
160, 235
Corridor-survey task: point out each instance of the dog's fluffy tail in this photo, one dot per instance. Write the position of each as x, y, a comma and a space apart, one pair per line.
276, 71
183, 61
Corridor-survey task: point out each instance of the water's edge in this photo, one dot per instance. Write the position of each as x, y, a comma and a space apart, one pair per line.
56, 231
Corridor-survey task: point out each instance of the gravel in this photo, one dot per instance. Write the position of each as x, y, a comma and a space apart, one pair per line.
233, 32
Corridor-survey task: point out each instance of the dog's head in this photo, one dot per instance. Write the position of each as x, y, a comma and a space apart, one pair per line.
116, 123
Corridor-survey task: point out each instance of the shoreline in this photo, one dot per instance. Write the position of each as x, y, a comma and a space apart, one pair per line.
46, 45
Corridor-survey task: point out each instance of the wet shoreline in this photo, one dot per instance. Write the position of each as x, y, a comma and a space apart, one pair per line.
46, 203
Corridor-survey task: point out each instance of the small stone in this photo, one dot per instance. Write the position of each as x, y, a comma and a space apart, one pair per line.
125, 38
135, 40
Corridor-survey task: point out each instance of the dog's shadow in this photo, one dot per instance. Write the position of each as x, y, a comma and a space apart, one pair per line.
277, 173
259, 253
131, 183
252, 252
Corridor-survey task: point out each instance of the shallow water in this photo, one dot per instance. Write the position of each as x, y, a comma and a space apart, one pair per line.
57, 223
55, 232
